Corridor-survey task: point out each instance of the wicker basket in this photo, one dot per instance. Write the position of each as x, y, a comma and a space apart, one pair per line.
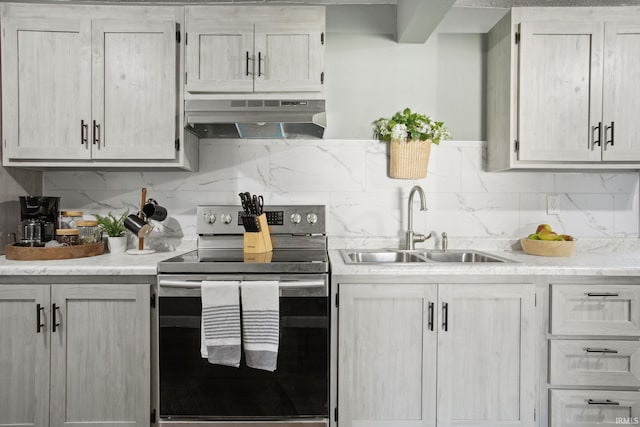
409, 159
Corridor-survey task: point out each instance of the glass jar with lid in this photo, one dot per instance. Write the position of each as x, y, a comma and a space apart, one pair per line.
69, 218
89, 231
68, 236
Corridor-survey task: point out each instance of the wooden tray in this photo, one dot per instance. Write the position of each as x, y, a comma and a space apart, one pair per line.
25, 253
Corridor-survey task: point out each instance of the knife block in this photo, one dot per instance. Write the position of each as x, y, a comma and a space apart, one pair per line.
259, 242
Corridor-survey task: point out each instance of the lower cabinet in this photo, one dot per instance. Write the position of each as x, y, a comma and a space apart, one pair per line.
427, 355
74, 355
594, 354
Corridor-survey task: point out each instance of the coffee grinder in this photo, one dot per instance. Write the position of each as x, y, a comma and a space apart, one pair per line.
38, 219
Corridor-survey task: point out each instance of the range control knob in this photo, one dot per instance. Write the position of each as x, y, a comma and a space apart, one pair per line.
296, 218
226, 218
209, 217
312, 218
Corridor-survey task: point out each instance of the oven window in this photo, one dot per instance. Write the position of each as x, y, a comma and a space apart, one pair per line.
191, 387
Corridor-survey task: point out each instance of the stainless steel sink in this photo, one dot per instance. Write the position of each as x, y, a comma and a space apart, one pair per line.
360, 257
462, 256
391, 256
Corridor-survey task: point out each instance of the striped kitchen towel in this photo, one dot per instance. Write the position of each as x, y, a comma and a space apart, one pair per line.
221, 322
260, 323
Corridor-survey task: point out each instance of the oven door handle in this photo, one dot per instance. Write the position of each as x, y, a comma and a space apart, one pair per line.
195, 284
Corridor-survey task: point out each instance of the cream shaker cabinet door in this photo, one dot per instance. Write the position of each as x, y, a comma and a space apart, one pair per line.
594, 363
590, 408
621, 92
134, 91
387, 355
220, 57
24, 355
560, 91
607, 310
289, 57
486, 347
46, 88
100, 360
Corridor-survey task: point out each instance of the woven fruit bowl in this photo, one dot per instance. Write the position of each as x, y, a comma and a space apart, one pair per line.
558, 248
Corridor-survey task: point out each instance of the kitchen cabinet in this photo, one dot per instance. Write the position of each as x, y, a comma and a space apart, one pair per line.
76, 354
254, 49
90, 86
424, 355
562, 85
594, 353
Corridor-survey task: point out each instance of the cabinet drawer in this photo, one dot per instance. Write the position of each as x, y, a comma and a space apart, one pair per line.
595, 363
595, 310
586, 408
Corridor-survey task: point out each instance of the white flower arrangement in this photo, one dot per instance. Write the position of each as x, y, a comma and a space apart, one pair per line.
406, 125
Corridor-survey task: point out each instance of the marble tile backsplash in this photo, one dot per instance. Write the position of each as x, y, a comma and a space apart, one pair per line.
350, 178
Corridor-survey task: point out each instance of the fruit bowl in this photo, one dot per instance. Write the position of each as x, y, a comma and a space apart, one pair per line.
559, 248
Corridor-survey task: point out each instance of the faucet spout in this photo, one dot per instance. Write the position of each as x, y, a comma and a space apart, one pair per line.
412, 237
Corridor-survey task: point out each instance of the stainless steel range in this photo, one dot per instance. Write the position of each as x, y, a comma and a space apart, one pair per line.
189, 388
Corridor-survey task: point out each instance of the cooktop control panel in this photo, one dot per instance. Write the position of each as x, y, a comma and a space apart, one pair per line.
282, 219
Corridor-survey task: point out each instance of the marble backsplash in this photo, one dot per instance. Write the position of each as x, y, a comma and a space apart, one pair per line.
350, 178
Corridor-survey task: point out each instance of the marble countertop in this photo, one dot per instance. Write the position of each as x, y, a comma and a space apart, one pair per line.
582, 263
107, 265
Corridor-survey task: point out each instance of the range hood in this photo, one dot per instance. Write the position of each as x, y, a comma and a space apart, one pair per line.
269, 118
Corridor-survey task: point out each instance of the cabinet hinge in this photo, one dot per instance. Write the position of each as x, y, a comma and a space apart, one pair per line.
335, 414
337, 299
153, 416
534, 414
186, 38
178, 36
322, 77
322, 39
153, 300
178, 144
517, 38
516, 145
535, 300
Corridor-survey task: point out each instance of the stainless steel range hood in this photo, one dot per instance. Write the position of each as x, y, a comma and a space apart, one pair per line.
269, 118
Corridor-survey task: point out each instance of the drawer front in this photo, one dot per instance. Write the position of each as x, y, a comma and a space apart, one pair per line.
594, 363
587, 408
595, 310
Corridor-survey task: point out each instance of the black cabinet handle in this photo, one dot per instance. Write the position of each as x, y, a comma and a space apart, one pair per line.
96, 133
598, 141
603, 402
84, 130
39, 323
608, 141
445, 316
430, 315
247, 62
54, 322
603, 294
259, 64
600, 350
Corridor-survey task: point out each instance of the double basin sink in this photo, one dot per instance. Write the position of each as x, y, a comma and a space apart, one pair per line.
391, 256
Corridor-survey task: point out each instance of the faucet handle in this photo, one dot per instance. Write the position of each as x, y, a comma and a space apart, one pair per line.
421, 237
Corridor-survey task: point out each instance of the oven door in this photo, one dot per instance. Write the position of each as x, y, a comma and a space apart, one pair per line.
192, 389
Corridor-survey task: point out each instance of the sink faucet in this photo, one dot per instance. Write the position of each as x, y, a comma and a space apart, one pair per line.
445, 241
412, 237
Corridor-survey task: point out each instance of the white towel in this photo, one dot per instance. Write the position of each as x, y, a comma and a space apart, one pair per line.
261, 323
221, 322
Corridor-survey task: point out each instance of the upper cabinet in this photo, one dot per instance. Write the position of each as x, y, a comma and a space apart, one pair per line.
561, 89
91, 86
254, 49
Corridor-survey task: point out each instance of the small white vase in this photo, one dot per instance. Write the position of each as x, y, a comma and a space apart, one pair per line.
117, 245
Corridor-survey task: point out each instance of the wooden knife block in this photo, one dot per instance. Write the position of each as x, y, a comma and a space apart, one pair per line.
260, 242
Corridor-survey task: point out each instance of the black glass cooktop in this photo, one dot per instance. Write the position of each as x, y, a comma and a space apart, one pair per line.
237, 261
